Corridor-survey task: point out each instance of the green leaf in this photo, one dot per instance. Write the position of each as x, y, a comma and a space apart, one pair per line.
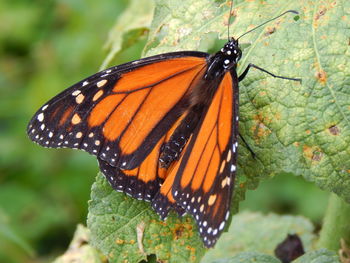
132, 24
299, 129
249, 257
80, 250
318, 256
261, 233
124, 228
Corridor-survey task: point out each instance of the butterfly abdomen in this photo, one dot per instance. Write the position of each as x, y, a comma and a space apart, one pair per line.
172, 149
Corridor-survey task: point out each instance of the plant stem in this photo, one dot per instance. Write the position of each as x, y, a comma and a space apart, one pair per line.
336, 224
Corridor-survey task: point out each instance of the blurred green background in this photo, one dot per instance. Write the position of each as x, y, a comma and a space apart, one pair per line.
46, 46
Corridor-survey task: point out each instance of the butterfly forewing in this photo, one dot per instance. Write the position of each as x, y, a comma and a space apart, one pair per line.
121, 113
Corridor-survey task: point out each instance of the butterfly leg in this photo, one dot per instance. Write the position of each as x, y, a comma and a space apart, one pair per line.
242, 76
248, 147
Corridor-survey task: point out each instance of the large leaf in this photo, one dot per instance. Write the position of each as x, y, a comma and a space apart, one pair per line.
300, 129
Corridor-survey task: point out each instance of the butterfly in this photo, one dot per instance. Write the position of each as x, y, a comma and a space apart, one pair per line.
164, 129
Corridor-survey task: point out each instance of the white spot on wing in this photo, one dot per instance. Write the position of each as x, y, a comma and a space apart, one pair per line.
76, 93
41, 117
222, 225
101, 83
227, 215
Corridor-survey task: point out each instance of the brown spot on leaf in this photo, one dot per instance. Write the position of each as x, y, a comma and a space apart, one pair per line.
270, 31
334, 130
260, 130
193, 253
178, 231
308, 132
261, 118
317, 156
321, 75
296, 144
320, 13
313, 153
153, 221
182, 230
119, 241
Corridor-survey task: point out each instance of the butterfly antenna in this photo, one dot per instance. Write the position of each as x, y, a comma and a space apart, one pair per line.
229, 21
289, 11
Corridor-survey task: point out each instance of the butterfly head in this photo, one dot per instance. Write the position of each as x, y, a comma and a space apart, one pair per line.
231, 53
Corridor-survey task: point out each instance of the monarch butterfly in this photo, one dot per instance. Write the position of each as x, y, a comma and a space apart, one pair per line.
164, 129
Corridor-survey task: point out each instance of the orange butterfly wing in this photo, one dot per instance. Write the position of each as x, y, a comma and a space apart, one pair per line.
202, 180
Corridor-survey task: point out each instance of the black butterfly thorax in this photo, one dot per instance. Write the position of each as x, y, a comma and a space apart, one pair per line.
224, 60
218, 65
